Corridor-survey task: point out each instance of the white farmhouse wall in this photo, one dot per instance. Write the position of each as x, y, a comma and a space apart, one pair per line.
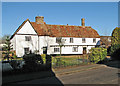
27, 29
68, 49
76, 41
21, 44
13, 42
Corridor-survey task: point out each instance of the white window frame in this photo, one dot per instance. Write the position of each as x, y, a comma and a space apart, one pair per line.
56, 49
75, 49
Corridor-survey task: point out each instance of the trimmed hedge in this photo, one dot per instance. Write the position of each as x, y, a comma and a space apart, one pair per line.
97, 54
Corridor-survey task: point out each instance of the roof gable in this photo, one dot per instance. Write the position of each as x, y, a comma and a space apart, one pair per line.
27, 29
21, 28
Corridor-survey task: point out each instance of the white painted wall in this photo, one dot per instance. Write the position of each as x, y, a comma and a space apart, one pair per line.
21, 44
13, 42
27, 29
69, 49
76, 41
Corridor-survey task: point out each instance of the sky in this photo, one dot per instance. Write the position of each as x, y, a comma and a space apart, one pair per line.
101, 16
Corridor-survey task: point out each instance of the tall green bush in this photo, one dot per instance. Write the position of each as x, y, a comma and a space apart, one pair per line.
115, 43
97, 54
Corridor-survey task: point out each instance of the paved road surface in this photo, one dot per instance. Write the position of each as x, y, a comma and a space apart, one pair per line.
100, 75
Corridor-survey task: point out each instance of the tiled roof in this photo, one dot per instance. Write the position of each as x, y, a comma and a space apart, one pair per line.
62, 30
65, 30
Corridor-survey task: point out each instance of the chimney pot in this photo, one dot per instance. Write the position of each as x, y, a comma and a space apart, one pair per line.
83, 22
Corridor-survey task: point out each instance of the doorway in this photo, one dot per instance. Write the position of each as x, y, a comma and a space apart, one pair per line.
84, 50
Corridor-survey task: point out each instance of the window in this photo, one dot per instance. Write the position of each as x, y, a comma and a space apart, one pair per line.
71, 40
26, 51
56, 50
58, 40
27, 38
75, 49
109, 39
83, 40
94, 40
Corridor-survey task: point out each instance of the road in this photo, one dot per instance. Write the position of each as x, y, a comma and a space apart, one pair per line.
100, 75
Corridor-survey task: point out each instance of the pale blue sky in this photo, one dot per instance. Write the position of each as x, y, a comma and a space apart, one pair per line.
101, 16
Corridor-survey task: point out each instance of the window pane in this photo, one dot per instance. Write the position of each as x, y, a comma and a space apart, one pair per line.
56, 50
26, 50
83, 40
58, 40
94, 40
75, 49
71, 40
27, 38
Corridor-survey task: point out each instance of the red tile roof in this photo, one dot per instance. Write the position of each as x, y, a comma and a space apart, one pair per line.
62, 30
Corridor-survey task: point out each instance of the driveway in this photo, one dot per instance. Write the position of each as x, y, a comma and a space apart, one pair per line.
100, 74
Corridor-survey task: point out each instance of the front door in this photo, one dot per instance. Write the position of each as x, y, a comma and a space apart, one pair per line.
84, 50
44, 50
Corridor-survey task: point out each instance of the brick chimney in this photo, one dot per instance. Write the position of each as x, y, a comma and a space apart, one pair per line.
39, 19
83, 22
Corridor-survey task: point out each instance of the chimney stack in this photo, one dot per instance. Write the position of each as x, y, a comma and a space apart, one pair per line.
39, 19
83, 22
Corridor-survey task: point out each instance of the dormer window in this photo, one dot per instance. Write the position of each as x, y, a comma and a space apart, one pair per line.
71, 40
27, 38
83, 40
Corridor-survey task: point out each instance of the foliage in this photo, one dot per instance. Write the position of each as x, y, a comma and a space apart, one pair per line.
97, 54
15, 57
32, 61
115, 43
43, 56
15, 64
115, 52
68, 61
7, 47
115, 36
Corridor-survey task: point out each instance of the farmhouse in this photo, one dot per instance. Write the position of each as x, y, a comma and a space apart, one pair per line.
41, 37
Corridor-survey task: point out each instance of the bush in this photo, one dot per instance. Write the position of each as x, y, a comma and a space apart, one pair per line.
43, 56
16, 64
97, 54
115, 51
32, 61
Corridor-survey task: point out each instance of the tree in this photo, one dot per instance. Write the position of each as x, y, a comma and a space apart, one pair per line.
115, 43
61, 42
7, 47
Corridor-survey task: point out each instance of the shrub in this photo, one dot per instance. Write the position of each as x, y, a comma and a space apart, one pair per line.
115, 43
32, 61
97, 54
43, 56
115, 51
16, 64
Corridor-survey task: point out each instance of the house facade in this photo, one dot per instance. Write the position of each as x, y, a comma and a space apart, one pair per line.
40, 37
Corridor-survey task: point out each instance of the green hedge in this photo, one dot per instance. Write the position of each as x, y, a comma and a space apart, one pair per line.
97, 54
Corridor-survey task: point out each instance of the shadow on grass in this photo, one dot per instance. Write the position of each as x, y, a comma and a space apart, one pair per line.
44, 76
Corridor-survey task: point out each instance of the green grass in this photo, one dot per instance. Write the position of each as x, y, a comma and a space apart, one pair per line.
66, 61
